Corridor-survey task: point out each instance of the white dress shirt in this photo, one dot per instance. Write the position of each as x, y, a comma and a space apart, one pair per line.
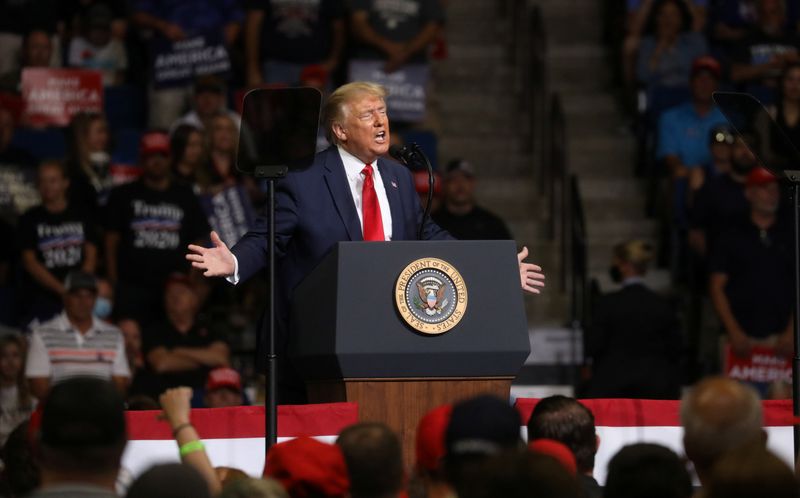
355, 179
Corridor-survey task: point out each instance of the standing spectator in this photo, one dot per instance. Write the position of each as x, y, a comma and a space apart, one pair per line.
284, 37
17, 18
88, 162
72, 13
16, 402
521, 474
11, 154
731, 20
223, 388
396, 32
182, 350
568, 421
81, 439
189, 157
720, 141
374, 460
787, 112
37, 51
634, 332
751, 273
646, 469
761, 56
308, 468
75, 343
178, 20
430, 451
752, 472
666, 55
222, 145
718, 416
96, 48
54, 239
208, 101
459, 214
150, 222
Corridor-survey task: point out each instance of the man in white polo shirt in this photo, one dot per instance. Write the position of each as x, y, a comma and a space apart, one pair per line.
76, 343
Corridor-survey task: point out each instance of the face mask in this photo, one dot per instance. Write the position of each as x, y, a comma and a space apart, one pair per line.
102, 307
615, 274
99, 158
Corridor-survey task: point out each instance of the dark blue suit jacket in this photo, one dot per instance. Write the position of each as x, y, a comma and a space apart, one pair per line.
314, 211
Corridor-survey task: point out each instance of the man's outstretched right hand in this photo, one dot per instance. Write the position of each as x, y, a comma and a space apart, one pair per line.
214, 261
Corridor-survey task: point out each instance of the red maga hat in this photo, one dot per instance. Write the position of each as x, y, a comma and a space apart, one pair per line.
306, 467
430, 438
557, 450
154, 142
760, 176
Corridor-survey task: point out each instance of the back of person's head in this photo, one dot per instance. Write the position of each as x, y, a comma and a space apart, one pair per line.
752, 472
479, 428
253, 488
718, 415
82, 428
637, 253
520, 474
568, 421
646, 470
430, 449
308, 468
170, 480
374, 460
20, 473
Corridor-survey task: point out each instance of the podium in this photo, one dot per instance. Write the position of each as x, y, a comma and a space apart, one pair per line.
356, 317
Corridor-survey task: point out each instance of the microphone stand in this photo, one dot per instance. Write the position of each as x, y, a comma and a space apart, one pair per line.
427, 213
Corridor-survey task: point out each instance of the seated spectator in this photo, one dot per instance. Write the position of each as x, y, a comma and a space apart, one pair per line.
720, 140
731, 20
768, 48
54, 239
395, 33
96, 48
720, 203
634, 331
787, 112
16, 402
11, 154
178, 20
459, 214
751, 273
189, 158
223, 388
105, 299
37, 51
666, 54
75, 343
88, 162
719, 415
222, 145
71, 13
647, 470
479, 428
81, 439
181, 350
169, 480
283, 38
18, 18
307, 467
149, 223
683, 131
208, 101
430, 451
568, 421
374, 460
752, 473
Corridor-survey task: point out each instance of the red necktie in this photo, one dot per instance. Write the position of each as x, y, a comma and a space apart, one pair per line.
371, 210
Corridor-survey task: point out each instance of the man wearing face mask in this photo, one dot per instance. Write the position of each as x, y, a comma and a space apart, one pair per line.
751, 267
721, 200
634, 338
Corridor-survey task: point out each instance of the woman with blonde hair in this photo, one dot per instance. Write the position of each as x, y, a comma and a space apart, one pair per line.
16, 402
88, 161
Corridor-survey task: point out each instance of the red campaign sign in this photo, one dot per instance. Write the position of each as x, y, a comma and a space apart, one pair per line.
51, 97
762, 366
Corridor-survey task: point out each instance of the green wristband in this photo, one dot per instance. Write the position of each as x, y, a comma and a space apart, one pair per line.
191, 447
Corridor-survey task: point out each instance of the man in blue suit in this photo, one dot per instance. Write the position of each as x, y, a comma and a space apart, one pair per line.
350, 192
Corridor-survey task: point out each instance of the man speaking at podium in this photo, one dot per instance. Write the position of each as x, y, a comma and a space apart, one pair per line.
350, 193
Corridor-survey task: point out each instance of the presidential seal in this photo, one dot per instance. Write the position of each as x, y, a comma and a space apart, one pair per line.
431, 296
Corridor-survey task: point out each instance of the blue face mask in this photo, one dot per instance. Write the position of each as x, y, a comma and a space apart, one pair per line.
102, 307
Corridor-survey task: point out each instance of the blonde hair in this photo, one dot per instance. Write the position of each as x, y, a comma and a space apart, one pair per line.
335, 111
636, 252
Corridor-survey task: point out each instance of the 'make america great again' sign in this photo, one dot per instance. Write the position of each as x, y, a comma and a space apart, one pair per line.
51, 97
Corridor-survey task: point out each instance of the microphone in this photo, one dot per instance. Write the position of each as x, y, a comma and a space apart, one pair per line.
402, 154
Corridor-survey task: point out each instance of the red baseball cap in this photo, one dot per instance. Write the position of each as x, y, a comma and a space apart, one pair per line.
154, 142
760, 176
430, 438
557, 450
307, 467
224, 377
707, 63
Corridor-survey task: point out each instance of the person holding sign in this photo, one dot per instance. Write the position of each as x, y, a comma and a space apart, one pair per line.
350, 193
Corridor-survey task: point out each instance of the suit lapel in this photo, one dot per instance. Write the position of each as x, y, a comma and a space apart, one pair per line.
340, 193
392, 187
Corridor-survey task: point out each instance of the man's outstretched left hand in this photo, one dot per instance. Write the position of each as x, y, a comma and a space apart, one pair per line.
530, 275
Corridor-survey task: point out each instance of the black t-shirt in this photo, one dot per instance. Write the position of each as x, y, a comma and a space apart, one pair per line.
164, 334
719, 203
759, 48
21, 16
759, 269
57, 239
155, 227
399, 21
478, 224
298, 31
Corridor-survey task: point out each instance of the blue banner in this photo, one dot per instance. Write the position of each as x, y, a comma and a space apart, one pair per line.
229, 213
179, 63
406, 86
